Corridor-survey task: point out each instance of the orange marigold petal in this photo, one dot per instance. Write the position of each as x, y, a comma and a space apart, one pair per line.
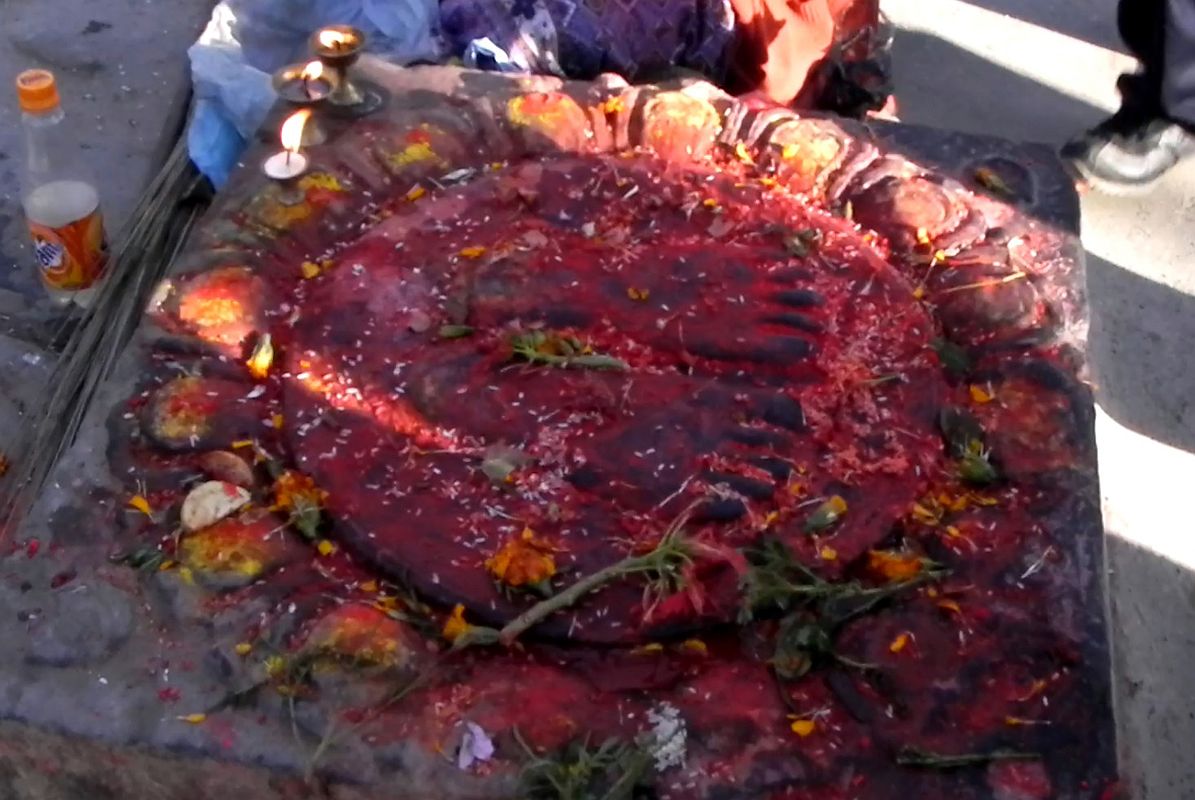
455, 626
803, 727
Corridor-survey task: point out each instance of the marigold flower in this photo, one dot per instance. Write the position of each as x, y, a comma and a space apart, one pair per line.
525, 560
980, 395
455, 626
803, 727
294, 491
895, 566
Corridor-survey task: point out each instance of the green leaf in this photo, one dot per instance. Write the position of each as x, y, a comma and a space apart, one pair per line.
960, 430
776, 580
455, 331
501, 461
826, 515
954, 358
914, 757
307, 518
615, 770
800, 642
975, 467
148, 559
599, 362
803, 242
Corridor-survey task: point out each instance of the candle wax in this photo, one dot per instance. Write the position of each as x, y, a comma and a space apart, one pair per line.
284, 165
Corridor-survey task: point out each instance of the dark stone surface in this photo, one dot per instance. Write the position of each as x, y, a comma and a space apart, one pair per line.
105, 663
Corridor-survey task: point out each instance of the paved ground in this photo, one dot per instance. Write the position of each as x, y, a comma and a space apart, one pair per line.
122, 73
1041, 73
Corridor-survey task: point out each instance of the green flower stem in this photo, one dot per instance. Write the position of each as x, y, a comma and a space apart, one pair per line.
660, 560
912, 757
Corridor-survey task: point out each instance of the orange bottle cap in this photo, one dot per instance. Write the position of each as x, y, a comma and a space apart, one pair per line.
36, 91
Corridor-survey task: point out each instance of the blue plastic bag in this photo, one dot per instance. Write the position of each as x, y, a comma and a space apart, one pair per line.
246, 40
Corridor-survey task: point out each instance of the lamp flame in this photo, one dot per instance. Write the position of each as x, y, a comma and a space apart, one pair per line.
335, 40
292, 130
312, 71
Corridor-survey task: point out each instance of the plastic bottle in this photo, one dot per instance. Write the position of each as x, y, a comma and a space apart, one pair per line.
62, 205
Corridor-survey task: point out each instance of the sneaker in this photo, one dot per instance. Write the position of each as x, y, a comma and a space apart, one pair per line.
1126, 154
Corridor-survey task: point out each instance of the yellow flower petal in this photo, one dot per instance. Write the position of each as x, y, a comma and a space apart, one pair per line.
803, 727
899, 643
472, 252
980, 395
828, 553
743, 154
194, 719
695, 646
325, 547
141, 504
415, 193
310, 269
455, 626
277, 421
613, 105
243, 648
949, 605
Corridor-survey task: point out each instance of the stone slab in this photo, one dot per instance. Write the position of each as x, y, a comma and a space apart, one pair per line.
156, 664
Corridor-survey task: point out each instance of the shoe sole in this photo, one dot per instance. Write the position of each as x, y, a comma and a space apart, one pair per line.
1104, 186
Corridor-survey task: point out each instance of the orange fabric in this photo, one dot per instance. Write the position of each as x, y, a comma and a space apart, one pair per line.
779, 43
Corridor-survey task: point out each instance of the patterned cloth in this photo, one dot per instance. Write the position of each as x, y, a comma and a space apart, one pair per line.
583, 38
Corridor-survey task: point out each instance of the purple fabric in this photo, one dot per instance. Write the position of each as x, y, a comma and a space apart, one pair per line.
632, 37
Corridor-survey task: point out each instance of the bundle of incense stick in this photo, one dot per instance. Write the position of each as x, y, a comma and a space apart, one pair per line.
140, 255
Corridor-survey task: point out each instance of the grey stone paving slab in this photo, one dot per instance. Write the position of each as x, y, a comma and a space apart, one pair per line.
123, 76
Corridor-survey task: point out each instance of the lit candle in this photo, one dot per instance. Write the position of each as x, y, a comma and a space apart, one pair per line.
311, 72
336, 40
289, 163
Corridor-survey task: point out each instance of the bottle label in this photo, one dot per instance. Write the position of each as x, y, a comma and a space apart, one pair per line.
71, 257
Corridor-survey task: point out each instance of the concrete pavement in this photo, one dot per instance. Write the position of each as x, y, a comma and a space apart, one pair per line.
1042, 71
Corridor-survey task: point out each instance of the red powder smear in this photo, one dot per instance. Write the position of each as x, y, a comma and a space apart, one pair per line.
786, 377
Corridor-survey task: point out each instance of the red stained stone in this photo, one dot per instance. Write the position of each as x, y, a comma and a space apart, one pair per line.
770, 401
